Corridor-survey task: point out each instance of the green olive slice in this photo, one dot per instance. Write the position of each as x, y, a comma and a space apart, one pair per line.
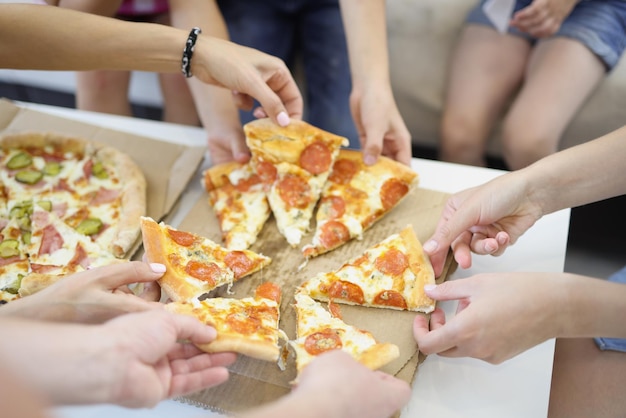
28, 176
52, 168
99, 171
19, 160
14, 287
89, 226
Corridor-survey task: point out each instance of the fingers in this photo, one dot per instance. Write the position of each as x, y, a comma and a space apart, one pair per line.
432, 337
189, 328
192, 382
119, 275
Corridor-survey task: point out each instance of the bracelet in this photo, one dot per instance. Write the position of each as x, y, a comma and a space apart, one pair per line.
188, 51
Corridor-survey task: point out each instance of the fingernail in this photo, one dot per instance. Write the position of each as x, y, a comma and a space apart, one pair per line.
431, 246
157, 267
369, 159
429, 287
283, 119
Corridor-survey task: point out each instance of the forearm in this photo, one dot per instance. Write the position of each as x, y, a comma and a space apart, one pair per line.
583, 174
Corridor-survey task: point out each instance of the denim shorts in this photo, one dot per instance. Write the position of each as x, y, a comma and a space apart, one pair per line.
614, 344
600, 25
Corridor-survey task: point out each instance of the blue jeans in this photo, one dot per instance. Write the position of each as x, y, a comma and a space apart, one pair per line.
310, 30
600, 25
614, 344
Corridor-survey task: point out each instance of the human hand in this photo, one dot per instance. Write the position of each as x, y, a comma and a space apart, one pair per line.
380, 125
336, 382
94, 295
543, 18
484, 220
250, 74
498, 315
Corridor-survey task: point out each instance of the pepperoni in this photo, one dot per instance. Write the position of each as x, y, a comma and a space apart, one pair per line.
322, 341
51, 240
294, 191
390, 298
266, 171
335, 205
80, 257
346, 291
391, 192
208, 272
181, 238
268, 290
245, 184
242, 323
333, 233
239, 263
334, 309
392, 262
344, 170
316, 158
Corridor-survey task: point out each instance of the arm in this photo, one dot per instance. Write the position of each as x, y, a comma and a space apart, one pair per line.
488, 218
376, 116
134, 360
44, 37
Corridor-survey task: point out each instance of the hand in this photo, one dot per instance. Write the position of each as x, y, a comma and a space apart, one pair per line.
484, 219
543, 18
250, 73
93, 296
380, 125
335, 381
498, 316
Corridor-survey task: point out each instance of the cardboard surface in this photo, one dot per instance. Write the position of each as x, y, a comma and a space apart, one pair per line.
168, 167
254, 382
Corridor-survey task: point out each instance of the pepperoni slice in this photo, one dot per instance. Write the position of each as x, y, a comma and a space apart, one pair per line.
392, 262
266, 171
316, 158
239, 263
390, 298
391, 192
335, 205
333, 233
294, 191
322, 341
268, 290
181, 238
344, 170
346, 291
243, 323
334, 310
245, 184
208, 272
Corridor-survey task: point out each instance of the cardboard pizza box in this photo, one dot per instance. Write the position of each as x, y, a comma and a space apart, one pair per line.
254, 382
168, 167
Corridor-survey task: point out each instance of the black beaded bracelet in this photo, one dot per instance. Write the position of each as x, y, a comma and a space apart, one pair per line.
188, 51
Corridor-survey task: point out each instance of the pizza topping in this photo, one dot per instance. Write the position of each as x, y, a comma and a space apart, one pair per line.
322, 341
19, 160
52, 168
89, 226
268, 290
343, 171
239, 263
181, 238
392, 262
390, 298
332, 233
294, 190
266, 171
243, 322
341, 289
28, 176
99, 171
80, 257
51, 240
316, 158
334, 205
9, 248
244, 184
208, 272
334, 310
392, 191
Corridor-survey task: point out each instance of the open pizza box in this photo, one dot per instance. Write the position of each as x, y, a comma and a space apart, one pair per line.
254, 382
168, 167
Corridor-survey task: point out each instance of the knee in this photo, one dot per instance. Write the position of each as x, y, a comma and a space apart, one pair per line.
523, 144
460, 136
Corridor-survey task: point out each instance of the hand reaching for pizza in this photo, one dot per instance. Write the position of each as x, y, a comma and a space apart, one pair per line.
93, 296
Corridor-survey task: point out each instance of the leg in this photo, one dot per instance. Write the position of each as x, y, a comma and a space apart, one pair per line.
485, 70
561, 74
178, 104
587, 382
103, 91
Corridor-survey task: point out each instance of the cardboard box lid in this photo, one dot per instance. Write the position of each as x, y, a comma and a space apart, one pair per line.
168, 167
254, 382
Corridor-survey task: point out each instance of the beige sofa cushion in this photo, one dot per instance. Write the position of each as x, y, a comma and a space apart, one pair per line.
422, 34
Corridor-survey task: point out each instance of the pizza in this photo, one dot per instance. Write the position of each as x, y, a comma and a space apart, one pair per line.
239, 202
391, 274
247, 326
293, 163
66, 204
355, 197
319, 330
195, 265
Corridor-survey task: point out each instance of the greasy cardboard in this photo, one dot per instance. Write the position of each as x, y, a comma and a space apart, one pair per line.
168, 167
254, 382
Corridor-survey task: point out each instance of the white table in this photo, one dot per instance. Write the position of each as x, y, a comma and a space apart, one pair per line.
444, 387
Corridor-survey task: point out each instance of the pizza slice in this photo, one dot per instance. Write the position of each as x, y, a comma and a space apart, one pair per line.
293, 162
391, 274
355, 197
247, 326
195, 265
238, 199
319, 331
14, 265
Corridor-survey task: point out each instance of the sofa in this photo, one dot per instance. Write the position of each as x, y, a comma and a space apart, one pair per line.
422, 35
